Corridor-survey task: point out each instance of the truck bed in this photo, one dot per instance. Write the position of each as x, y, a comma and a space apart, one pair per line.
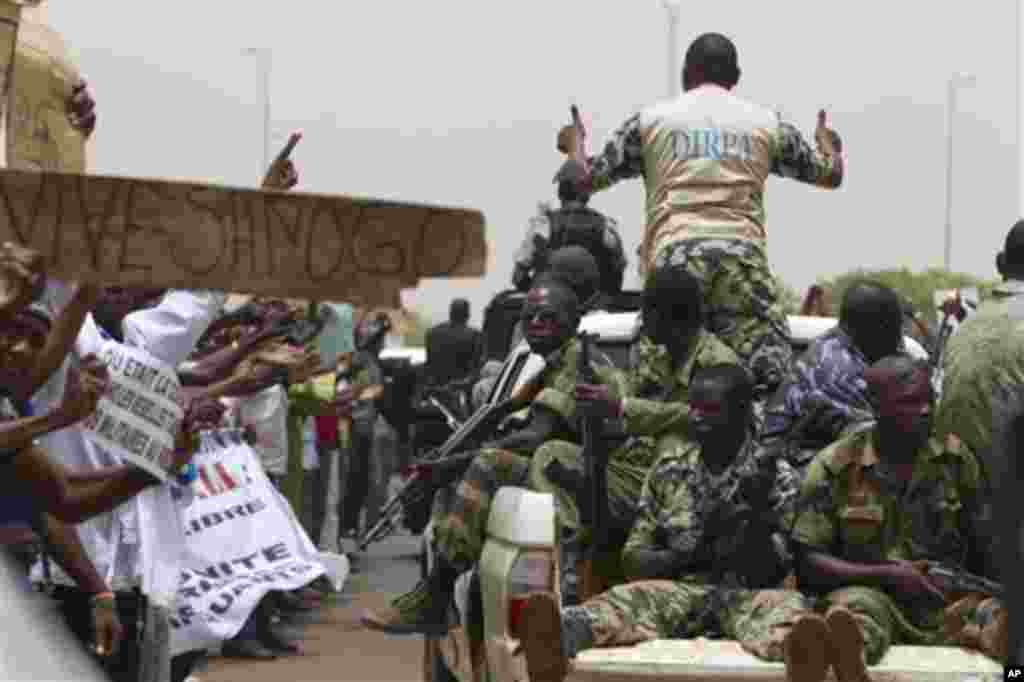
703, 660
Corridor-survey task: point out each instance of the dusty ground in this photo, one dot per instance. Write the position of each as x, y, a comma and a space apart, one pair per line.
336, 648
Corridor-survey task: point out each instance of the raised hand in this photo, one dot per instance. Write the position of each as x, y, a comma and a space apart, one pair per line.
827, 139
84, 388
81, 109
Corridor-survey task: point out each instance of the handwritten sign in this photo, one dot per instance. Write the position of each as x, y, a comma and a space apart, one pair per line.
131, 231
138, 419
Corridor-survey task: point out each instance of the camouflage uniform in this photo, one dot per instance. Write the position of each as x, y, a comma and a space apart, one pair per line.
655, 415
983, 360
742, 297
460, 511
676, 506
848, 509
705, 158
827, 379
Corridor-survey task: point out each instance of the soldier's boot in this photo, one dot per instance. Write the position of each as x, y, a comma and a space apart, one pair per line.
805, 650
423, 610
551, 638
847, 645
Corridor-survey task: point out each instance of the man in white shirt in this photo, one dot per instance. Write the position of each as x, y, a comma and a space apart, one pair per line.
134, 547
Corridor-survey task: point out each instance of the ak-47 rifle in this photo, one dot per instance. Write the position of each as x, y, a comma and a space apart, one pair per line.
595, 454
442, 465
953, 580
738, 511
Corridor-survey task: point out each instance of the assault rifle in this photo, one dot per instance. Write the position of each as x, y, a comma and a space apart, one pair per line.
956, 580
595, 455
440, 466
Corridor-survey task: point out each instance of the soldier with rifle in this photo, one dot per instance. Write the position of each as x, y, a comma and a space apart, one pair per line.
466, 483
690, 548
887, 528
653, 411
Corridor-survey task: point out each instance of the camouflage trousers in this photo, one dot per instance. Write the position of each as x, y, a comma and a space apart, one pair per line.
974, 622
627, 468
461, 510
743, 301
663, 609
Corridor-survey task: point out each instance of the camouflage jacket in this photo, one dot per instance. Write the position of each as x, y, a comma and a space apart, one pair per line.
983, 359
680, 496
829, 378
705, 158
850, 509
558, 392
656, 395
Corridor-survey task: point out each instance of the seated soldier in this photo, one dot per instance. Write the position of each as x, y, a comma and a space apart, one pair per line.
654, 409
825, 392
461, 509
576, 268
707, 550
872, 507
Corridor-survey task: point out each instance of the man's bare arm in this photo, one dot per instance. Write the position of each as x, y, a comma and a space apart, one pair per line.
69, 554
75, 502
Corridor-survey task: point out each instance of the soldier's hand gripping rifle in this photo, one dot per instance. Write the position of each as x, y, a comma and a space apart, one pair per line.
595, 455
443, 465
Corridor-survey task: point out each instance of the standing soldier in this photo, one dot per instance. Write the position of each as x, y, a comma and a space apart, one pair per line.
705, 158
573, 224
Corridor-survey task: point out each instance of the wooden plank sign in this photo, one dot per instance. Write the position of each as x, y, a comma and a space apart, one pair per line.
134, 231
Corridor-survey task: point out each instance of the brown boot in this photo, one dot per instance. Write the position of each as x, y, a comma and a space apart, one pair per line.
806, 650
540, 628
423, 610
847, 642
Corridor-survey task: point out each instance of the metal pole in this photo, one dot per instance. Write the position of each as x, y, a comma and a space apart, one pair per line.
266, 112
950, 106
674, 76
1020, 109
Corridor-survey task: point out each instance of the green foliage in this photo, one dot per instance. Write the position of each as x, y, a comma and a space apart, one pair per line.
917, 287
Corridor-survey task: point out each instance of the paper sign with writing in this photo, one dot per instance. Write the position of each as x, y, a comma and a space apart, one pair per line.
138, 419
131, 231
242, 541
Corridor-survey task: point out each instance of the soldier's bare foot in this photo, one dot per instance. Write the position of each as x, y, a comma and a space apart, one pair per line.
806, 650
847, 643
541, 638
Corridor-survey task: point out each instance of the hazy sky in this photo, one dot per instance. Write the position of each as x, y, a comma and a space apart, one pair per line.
458, 102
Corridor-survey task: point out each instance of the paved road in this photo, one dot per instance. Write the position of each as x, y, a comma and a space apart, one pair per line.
336, 648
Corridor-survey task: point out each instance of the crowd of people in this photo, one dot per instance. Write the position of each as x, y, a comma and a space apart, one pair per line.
796, 505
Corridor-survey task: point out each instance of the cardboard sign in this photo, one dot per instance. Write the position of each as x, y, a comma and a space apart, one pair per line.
132, 231
138, 419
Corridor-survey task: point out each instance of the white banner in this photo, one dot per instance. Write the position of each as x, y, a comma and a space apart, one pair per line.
243, 541
138, 420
